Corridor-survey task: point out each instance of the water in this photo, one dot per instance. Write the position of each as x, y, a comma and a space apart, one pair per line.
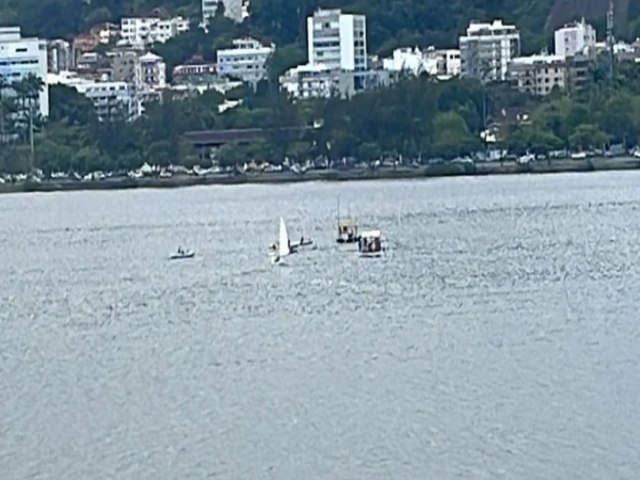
498, 339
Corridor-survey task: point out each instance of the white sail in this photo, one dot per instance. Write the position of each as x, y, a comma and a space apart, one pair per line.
283, 240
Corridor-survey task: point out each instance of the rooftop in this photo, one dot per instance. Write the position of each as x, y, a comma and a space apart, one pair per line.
478, 28
540, 58
150, 57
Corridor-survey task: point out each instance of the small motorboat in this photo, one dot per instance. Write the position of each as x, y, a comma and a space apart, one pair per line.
182, 254
370, 244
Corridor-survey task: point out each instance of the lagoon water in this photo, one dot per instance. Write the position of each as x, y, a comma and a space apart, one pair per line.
499, 339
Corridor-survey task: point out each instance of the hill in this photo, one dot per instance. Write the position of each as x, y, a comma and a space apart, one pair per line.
566, 10
391, 22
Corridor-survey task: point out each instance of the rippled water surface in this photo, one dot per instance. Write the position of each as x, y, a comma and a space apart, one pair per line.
499, 339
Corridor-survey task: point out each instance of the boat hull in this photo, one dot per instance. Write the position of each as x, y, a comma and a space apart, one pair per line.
182, 257
275, 260
343, 241
371, 254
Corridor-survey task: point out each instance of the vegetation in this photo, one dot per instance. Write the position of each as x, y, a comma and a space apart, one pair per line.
391, 22
417, 118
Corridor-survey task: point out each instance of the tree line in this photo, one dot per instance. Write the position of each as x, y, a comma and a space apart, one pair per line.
416, 118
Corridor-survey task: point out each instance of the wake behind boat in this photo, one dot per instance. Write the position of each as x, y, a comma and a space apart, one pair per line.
182, 254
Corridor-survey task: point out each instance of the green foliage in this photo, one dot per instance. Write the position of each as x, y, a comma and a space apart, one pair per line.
416, 118
403, 22
533, 139
452, 136
63, 18
390, 22
283, 59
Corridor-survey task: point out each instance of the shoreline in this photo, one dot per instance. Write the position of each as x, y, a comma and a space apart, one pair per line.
399, 173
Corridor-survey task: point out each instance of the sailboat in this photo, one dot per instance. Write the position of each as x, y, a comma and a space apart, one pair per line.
294, 247
284, 247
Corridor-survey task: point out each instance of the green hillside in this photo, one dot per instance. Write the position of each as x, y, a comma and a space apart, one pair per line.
391, 22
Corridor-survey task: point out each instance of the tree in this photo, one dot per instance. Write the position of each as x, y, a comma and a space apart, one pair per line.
369, 152
588, 135
65, 103
452, 137
4, 84
284, 58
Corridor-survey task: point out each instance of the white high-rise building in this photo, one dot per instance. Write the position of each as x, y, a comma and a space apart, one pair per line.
247, 60
21, 57
487, 49
232, 9
337, 41
148, 30
575, 39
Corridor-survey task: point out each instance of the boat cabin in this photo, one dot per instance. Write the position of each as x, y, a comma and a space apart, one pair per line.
370, 244
347, 231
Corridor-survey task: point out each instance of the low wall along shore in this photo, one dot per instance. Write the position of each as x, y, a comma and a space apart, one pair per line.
443, 170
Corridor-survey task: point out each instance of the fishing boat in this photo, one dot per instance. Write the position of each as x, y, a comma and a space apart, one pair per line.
182, 254
284, 248
370, 244
347, 229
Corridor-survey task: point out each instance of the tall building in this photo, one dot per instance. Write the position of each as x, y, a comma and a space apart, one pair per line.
246, 61
21, 57
487, 49
232, 9
337, 59
145, 31
538, 74
337, 40
575, 39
